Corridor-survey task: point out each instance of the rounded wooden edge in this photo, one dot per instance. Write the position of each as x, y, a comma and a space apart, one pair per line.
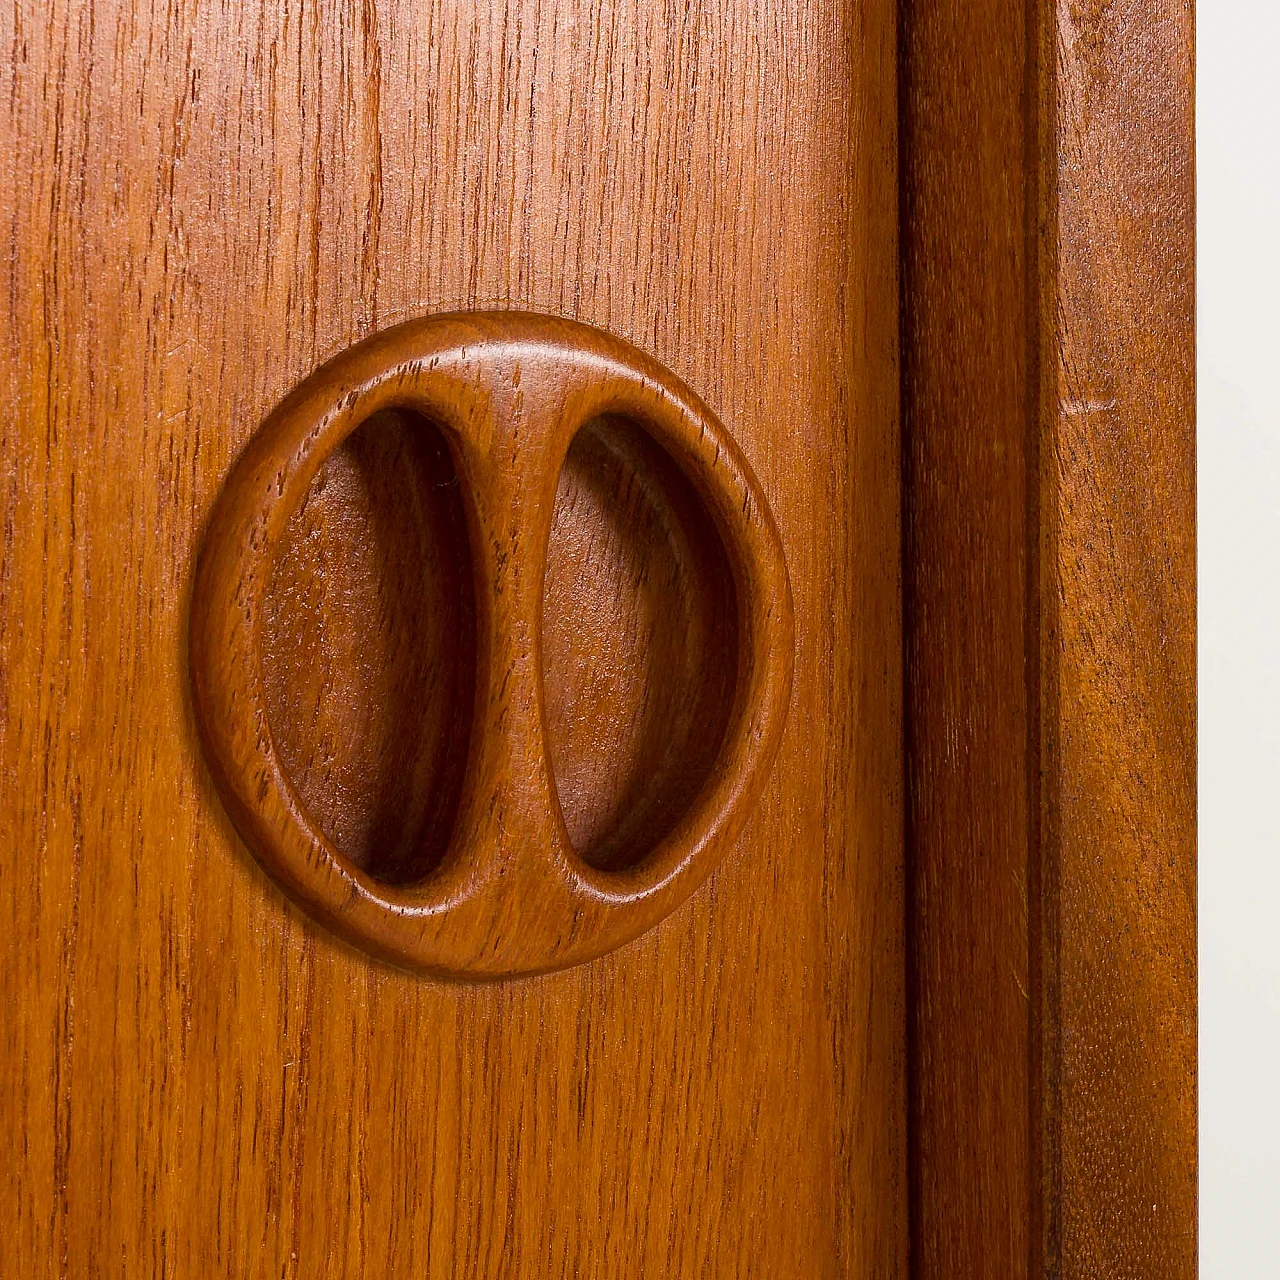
470, 918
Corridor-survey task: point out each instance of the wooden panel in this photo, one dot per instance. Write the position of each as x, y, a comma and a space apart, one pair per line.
204, 203
1048, 361
1120, 627
968, 541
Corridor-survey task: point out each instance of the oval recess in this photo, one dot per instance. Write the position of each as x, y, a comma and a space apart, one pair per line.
639, 643
368, 647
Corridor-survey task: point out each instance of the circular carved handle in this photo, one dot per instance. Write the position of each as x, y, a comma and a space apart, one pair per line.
509, 391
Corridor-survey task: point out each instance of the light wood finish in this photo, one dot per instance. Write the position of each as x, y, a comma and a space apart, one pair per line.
1048, 356
204, 205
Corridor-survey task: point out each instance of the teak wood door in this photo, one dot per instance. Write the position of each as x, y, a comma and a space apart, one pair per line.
596, 639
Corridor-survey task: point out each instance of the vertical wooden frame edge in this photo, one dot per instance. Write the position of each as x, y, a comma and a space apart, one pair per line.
1102, 95
1041, 630
1118, 478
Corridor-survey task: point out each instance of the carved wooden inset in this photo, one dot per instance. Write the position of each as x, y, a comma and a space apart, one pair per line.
491, 643
639, 636
368, 647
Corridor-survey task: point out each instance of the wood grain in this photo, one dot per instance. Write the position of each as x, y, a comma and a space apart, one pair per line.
368, 650
203, 204
1048, 360
639, 683
968, 537
506, 891
1119, 567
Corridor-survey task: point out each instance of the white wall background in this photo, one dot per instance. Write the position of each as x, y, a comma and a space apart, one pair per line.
1239, 475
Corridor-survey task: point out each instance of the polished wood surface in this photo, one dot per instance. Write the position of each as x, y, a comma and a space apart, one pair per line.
1118, 1101
968, 538
508, 891
933, 1013
1048, 358
204, 206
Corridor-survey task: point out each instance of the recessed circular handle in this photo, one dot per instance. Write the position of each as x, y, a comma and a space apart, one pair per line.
509, 391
